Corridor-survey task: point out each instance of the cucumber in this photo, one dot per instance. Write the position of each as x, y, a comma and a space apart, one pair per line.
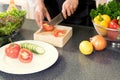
33, 47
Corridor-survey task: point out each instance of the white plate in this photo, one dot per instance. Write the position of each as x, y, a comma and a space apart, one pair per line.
39, 62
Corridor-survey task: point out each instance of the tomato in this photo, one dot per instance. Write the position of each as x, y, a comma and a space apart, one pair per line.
114, 24
113, 35
12, 50
59, 32
48, 27
25, 55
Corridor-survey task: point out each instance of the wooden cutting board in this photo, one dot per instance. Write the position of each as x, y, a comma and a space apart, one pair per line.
47, 36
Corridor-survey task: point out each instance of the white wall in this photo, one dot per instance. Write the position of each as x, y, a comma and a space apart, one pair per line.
102, 1
25, 4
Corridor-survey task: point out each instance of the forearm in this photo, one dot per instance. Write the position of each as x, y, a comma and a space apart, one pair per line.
38, 0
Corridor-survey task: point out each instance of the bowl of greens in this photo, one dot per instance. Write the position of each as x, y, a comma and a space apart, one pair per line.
106, 20
10, 23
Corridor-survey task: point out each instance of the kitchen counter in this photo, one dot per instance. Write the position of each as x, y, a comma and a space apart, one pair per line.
71, 64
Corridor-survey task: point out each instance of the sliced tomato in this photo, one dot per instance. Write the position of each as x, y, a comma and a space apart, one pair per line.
58, 32
12, 50
25, 55
48, 27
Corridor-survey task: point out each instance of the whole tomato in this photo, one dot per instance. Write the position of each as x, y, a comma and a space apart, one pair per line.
47, 27
113, 35
12, 50
114, 24
25, 55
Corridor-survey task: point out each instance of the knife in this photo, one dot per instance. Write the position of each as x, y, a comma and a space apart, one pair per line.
56, 20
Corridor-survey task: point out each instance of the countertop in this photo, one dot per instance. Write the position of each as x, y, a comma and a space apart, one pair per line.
71, 64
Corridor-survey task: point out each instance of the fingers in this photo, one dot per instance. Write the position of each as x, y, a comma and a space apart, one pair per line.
69, 7
38, 17
40, 13
69, 11
64, 13
47, 15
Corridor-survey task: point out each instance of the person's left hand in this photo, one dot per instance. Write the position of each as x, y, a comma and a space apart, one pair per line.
69, 7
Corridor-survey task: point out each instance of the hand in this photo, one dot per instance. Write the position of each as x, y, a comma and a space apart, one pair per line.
41, 12
69, 7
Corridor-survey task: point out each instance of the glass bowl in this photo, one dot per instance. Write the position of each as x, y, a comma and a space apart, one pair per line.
10, 23
8, 38
112, 35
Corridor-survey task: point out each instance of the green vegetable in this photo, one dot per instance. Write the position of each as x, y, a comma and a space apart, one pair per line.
33, 47
11, 20
112, 9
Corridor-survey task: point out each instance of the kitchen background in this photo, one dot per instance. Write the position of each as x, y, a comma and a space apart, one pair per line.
28, 5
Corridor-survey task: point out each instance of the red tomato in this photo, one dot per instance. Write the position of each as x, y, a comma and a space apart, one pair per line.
114, 24
112, 35
48, 27
12, 50
59, 32
25, 55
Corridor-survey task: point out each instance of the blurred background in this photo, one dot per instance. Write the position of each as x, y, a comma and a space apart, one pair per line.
28, 5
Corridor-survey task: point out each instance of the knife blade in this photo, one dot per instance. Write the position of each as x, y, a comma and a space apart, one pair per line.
56, 20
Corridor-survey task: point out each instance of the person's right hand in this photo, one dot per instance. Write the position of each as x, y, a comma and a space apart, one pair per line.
41, 12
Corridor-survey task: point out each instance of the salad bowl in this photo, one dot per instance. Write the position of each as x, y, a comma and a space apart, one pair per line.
111, 35
10, 23
106, 21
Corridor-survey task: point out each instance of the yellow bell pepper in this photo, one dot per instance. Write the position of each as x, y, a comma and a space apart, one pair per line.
102, 20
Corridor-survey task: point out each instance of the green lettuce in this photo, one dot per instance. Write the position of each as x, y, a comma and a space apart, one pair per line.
11, 20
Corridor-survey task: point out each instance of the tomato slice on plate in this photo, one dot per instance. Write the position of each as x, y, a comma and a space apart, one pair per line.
12, 50
25, 55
